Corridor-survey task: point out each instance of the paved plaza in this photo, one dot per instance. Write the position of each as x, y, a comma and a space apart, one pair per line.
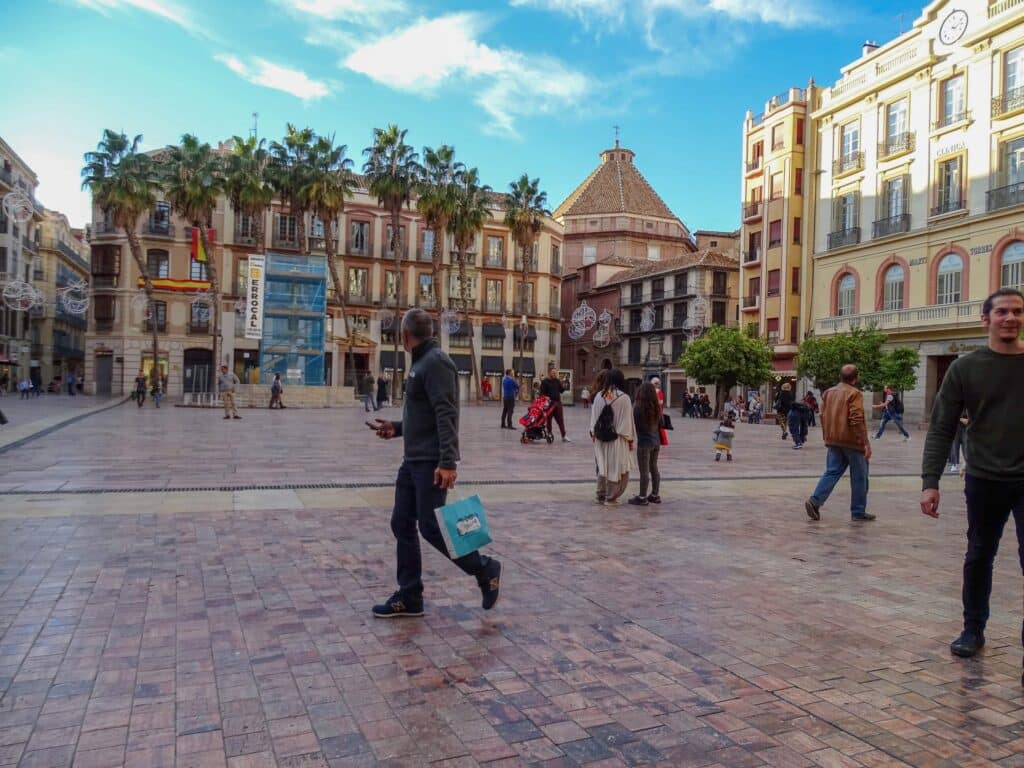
146, 624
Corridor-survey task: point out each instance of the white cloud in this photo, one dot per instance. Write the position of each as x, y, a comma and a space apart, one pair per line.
585, 10
374, 13
165, 9
269, 75
433, 53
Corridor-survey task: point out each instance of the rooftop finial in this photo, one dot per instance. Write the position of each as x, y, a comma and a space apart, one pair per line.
616, 136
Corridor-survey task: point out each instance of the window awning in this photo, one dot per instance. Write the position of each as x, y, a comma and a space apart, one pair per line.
463, 363
531, 333
387, 360
462, 330
493, 331
491, 366
528, 367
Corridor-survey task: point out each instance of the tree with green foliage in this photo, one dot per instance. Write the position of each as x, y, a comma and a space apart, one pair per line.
820, 358
526, 207
726, 356
898, 368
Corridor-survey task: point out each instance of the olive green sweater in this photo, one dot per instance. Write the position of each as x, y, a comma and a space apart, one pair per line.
989, 386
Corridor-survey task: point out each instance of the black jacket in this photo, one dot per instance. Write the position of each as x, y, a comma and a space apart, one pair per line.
430, 415
552, 388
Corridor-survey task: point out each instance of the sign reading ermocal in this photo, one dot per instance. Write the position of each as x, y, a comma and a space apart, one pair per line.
254, 299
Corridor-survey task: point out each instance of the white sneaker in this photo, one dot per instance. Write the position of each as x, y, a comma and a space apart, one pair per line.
954, 468
566, 440
906, 439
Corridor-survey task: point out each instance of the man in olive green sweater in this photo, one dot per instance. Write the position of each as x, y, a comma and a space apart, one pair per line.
987, 384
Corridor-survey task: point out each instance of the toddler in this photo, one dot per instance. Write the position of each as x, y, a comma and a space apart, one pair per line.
723, 439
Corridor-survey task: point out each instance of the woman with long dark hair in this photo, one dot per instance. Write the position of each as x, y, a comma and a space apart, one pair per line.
647, 420
613, 448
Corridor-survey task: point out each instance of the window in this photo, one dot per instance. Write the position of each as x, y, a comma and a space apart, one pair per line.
659, 317
893, 288
799, 131
794, 284
846, 295
679, 314
1012, 165
948, 193
426, 286
160, 219
589, 254
849, 141
455, 287
754, 244
1013, 73
774, 276
755, 287
775, 186
391, 285
714, 243
771, 326
777, 137
401, 240
794, 329
775, 233
718, 313
634, 351
797, 223
158, 264
949, 284
951, 101
357, 282
798, 181
428, 244
895, 197
895, 126
492, 342
1012, 271
158, 315
556, 260
316, 228
653, 253
526, 294
3, 258
242, 277
245, 227
198, 271
495, 251
658, 288
287, 227
846, 211
359, 238
495, 295
719, 283
199, 317
636, 293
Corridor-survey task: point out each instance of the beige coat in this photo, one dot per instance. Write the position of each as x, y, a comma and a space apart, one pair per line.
616, 458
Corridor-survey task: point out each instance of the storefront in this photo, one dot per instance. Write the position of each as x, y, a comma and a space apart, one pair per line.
492, 369
464, 366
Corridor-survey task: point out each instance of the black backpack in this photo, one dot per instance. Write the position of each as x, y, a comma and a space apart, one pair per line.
897, 404
604, 427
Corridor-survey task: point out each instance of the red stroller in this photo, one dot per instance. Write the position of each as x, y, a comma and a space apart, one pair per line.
537, 421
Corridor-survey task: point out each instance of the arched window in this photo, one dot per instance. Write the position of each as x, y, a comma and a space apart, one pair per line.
948, 287
846, 294
1012, 271
893, 288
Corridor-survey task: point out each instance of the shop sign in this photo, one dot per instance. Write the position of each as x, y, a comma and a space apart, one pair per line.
254, 299
979, 249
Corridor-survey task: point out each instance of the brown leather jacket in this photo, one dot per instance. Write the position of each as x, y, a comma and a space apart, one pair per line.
842, 417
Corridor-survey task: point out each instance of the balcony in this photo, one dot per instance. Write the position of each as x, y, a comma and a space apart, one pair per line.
947, 206
358, 297
1004, 197
953, 118
964, 314
773, 291
531, 265
753, 165
241, 238
354, 248
752, 256
38, 274
890, 226
161, 326
750, 303
494, 262
319, 244
720, 291
424, 254
555, 312
29, 244
843, 237
777, 145
1011, 101
752, 210
158, 228
426, 302
775, 243
7, 177
287, 243
848, 163
896, 145
556, 269
104, 324
199, 329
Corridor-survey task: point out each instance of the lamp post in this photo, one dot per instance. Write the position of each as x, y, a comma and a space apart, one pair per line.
524, 326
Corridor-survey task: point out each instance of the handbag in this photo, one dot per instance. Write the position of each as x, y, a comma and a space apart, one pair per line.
463, 526
3, 419
663, 434
666, 422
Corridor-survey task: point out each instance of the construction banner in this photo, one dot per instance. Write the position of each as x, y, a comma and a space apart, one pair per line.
254, 298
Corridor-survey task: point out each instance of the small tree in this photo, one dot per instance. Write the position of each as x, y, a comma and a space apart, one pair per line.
898, 368
820, 358
726, 356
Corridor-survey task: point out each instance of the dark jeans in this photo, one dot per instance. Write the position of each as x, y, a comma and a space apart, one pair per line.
558, 416
416, 498
797, 427
508, 407
647, 460
836, 463
989, 504
894, 417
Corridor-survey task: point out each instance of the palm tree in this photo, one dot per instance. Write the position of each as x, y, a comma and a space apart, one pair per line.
247, 183
193, 179
471, 211
393, 172
289, 168
124, 184
525, 210
328, 182
436, 201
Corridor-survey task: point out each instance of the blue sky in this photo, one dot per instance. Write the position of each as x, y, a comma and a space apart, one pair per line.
516, 86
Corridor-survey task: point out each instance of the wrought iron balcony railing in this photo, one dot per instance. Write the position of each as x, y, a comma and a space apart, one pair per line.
842, 237
1010, 101
947, 206
896, 145
891, 226
1005, 197
848, 163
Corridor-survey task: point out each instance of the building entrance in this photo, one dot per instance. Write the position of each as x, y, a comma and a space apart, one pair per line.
198, 370
104, 374
935, 372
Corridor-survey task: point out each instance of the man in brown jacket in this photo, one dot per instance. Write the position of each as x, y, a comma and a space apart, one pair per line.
845, 430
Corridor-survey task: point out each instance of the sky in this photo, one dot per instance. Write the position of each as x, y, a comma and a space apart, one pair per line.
516, 86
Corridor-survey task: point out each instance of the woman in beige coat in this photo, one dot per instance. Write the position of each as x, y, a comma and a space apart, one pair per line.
616, 458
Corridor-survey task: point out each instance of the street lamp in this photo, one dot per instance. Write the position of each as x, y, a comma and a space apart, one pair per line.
524, 326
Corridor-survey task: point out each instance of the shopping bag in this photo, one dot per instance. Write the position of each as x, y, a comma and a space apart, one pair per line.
463, 526
663, 433
666, 421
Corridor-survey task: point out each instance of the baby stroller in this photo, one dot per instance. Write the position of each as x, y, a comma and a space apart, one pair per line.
537, 421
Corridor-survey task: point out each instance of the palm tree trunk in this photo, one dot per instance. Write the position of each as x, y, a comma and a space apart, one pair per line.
474, 381
396, 244
211, 271
330, 245
523, 307
147, 286
260, 231
436, 254
300, 232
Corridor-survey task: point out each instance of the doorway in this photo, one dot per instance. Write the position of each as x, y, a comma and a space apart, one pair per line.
104, 374
935, 372
198, 370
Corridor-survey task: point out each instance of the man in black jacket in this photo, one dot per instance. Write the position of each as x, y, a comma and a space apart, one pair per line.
430, 430
552, 387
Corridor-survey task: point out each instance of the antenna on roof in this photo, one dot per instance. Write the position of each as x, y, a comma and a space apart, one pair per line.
899, 18
255, 124
616, 136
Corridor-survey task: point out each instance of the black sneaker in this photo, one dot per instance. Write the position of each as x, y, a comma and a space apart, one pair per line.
236, 416
867, 517
638, 501
812, 509
490, 584
968, 644
654, 498
397, 608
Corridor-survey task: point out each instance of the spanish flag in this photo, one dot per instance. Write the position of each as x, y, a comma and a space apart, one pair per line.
198, 254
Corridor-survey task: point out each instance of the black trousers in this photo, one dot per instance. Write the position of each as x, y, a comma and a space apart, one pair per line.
416, 498
508, 407
989, 504
558, 415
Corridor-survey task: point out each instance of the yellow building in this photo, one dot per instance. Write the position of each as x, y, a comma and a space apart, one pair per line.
773, 276
57, 332
919, 196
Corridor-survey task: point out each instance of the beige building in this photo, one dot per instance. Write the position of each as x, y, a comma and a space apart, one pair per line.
57, 330
118, 343
19, 247
919, 199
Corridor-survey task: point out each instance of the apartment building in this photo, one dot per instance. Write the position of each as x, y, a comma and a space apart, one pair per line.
19, 247
919, 196
375, 292
773, 232
58, 335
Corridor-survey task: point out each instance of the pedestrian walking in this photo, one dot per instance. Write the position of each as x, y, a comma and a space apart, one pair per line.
656, 382
783, 403
647, 421
585, 397
140, 389
485, 389
25, 387
755, 409
892, 410
845, 431
71, 384
812, 402
382, 392
799, 417
987, 384
552, 387
276, 390
430, 430
959, 445
227, 384
368, 384
723, 436
156, 392
614, 435
4, 383
509, 388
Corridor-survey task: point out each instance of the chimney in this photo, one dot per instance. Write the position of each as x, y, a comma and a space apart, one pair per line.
868, 47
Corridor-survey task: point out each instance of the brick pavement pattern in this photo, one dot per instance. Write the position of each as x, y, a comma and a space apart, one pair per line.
719, 629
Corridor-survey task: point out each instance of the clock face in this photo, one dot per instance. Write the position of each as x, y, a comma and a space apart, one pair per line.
953, 27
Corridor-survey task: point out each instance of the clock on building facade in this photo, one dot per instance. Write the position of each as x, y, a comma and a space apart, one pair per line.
953, 27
